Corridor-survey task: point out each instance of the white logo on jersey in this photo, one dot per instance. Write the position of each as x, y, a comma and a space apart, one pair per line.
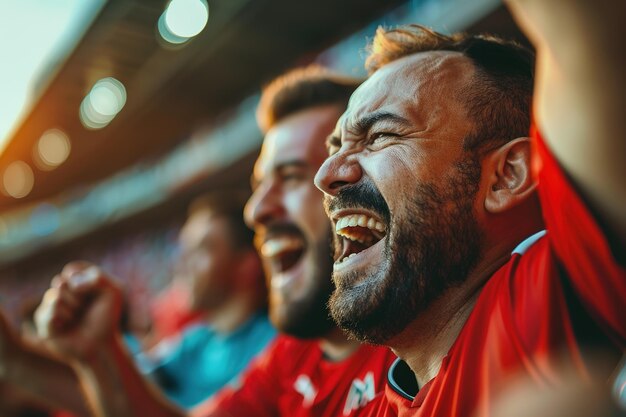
305, 387
361, 392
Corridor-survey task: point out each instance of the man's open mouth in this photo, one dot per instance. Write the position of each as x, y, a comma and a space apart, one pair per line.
283, 251
357, 232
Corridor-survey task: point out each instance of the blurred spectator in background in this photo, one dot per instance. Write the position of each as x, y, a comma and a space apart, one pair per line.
225, 285
171, 313
220, 266
319, 372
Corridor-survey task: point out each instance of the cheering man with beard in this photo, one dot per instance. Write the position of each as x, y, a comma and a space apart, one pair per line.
319, 372
316, 371
432, 160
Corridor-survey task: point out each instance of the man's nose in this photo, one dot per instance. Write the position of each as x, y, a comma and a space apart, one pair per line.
263, 206
338, 171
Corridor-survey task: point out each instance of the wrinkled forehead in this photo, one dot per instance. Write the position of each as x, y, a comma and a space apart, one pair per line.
411, 84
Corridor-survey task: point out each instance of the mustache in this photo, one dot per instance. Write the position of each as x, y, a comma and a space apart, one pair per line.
363, 195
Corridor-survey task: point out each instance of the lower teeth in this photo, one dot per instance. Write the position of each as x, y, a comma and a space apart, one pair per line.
346, 258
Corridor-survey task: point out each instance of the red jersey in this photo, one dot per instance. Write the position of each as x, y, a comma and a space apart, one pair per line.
293, 379
171, 313
564, 294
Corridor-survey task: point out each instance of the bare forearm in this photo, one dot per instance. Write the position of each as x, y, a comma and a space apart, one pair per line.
570, 22
579, 101
581, 50
46, 379
115, 388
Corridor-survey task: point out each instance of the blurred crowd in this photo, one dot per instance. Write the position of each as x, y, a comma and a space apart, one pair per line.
442, 238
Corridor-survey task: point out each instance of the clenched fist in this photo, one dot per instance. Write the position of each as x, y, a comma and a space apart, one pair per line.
80, 312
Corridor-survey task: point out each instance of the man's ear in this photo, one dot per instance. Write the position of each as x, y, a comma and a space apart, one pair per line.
510, 177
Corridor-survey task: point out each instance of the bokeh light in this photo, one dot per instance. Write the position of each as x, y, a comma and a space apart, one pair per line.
105, 100
18, 179
183, 19
51, 150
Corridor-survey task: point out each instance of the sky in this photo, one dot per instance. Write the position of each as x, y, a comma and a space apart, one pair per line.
34, 34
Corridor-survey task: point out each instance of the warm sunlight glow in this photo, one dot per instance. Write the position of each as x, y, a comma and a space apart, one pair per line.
35, 36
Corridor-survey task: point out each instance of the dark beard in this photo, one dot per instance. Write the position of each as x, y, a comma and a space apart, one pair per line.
310, 318
430, 249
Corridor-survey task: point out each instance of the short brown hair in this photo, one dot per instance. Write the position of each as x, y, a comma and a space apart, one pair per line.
499, 102
301, 89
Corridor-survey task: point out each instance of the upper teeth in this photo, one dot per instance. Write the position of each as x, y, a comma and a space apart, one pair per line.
274, 246
360, 220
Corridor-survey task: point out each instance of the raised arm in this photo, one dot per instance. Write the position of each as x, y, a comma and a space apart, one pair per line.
79, 321
36, 372
580, 96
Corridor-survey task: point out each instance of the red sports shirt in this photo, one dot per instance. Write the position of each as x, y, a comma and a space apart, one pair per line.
566, 293
293, 379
